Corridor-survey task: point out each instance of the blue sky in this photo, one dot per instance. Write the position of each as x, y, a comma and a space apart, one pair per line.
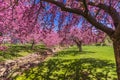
67, 19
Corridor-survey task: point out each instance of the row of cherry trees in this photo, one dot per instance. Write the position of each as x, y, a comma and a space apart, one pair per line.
27, 21
52, 38
24, 18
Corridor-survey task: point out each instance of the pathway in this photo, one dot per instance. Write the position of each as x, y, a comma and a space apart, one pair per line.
16, 67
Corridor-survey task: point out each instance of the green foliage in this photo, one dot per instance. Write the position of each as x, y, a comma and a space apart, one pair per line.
108, 41
94, 63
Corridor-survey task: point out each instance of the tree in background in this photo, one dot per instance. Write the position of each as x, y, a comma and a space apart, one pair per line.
79, 36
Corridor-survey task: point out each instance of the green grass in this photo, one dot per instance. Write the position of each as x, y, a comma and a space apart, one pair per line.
18, 50
98, 52
94, 63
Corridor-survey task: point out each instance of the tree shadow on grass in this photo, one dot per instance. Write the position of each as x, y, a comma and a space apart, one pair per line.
73, 52
73, 69
13, 51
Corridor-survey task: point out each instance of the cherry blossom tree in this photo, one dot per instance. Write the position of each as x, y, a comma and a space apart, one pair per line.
101, 14
107, 19
52, 39
79, 36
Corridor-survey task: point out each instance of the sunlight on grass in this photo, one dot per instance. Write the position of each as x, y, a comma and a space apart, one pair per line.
94, 63
104, 52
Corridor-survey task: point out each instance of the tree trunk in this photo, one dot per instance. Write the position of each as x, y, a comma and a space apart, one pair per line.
80, 46
33, 43
116, 45
78, 43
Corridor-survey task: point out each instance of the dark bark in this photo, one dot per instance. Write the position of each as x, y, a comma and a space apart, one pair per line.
33, 44
1, 34
80, 46
78, 43
116, 45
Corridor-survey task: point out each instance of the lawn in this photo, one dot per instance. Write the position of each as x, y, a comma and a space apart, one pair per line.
94, 63
18, 50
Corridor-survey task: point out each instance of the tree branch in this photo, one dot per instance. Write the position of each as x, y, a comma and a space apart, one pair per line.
110, 10
98, 25
89, 17
86, 6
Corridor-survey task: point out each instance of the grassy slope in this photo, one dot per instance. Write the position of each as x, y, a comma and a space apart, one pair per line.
94, 63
